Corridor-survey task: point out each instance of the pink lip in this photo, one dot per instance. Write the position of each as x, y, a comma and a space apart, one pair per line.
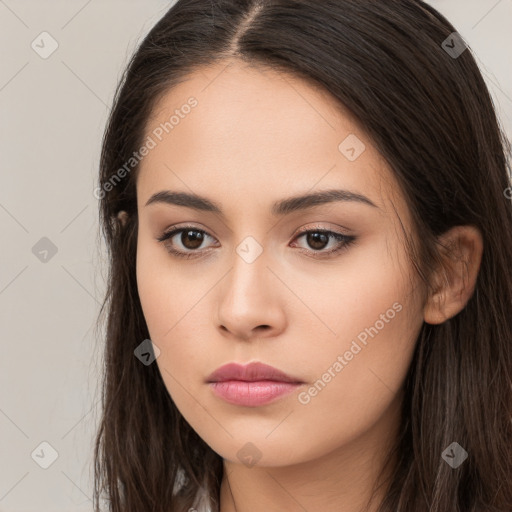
251, 385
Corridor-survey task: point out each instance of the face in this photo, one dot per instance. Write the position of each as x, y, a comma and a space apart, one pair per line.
321, 290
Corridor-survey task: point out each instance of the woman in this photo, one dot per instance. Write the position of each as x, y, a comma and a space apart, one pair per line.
309, 237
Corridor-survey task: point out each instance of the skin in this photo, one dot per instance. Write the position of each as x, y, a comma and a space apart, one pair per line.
256, 137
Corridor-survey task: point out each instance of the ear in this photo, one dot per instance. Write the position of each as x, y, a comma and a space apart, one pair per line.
123, 217
454, 283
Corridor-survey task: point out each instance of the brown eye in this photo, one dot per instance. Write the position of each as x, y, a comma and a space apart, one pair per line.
192, 239
184, 242
317, 240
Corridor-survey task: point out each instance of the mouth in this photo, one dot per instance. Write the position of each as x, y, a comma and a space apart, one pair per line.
251, 385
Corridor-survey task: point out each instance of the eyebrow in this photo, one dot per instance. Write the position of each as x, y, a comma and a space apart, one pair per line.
279, 208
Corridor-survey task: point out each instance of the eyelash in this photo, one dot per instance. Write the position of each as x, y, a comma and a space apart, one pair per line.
344, 240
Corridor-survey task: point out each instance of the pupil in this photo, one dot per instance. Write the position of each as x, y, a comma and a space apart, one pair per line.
313, 239
196, 240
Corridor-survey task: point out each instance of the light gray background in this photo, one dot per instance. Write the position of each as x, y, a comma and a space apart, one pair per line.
52, 116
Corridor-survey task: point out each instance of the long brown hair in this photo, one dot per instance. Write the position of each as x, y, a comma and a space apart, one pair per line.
430, 114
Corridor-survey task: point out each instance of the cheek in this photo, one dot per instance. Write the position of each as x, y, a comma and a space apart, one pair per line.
372, 295
353, 393
173, 307
164, 299
357, 370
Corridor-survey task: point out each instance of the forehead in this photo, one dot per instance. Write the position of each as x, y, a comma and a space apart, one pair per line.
237, 129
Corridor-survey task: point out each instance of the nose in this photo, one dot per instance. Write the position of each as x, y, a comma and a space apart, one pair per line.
250, 300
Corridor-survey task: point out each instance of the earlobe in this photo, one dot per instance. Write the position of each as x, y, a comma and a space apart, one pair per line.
123, 217
461, 251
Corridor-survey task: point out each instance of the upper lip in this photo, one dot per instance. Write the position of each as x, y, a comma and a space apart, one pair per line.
250, 373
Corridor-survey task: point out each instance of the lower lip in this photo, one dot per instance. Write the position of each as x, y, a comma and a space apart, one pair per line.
252, 394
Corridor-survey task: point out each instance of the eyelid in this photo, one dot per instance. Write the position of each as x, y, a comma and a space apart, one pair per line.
177, 227
330, 227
